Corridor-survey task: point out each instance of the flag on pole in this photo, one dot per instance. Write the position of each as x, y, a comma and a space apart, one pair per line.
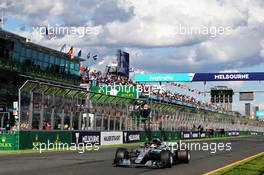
49, 34
114, 63
47, 31
131, 69
80, 53
95, 57
82, 68
70, 52
2, 21
63, 48
88, 56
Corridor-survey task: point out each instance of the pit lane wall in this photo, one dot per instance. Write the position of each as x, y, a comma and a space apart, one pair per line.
26, 139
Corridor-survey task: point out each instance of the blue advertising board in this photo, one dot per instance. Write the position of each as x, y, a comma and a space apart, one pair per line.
123, 63
131, 136
186, 135
260, 113
180, 77
196, 77
252, 76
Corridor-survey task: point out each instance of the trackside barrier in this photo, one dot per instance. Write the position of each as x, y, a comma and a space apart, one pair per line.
26, 139
176, 135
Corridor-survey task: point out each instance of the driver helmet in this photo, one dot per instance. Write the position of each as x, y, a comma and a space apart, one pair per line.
156, 141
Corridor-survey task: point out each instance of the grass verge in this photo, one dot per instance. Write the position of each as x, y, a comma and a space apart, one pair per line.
253, 165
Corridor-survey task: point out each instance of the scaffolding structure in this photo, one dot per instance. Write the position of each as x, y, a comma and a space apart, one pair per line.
74, 108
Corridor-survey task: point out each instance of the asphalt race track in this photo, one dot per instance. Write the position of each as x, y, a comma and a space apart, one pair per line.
100, 162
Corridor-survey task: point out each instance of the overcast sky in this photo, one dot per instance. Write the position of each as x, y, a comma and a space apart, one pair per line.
165, 36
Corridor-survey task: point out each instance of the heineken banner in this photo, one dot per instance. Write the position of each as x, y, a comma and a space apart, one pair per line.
131, 136
116, 90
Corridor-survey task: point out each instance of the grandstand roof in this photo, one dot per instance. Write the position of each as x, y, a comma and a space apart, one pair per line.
8, 35
67, 91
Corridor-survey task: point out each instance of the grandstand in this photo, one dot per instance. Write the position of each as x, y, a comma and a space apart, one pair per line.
21, 60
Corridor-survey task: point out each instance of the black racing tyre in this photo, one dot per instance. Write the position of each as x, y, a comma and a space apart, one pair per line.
183, 156
121, 153
166, 158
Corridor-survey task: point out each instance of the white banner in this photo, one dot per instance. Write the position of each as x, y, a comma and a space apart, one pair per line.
111, 138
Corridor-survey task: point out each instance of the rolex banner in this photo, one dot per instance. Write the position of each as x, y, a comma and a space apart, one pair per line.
8, 141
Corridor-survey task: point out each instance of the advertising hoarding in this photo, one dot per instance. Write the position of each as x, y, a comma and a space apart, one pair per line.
123, 63
116, 90
260, 113
111, 138
246, 96
186, 135
195, 135
86, 137
131, 136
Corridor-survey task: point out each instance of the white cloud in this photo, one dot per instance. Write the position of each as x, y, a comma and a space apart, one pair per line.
151, 27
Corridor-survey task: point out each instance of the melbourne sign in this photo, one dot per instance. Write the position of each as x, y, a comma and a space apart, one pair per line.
194, 77
86, 137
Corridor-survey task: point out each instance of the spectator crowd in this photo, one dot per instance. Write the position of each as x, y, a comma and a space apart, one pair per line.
96, 78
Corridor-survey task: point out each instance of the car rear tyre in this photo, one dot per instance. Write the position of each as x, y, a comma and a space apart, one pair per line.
183, 156
166, 158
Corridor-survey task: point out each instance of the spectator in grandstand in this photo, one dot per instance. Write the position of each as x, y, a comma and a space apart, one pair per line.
46, 126
194, 127
25, 126
66, 126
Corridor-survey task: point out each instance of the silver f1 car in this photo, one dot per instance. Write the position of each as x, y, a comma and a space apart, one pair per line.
155, 154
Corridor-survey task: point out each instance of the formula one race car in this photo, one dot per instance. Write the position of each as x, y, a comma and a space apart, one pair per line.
155, 154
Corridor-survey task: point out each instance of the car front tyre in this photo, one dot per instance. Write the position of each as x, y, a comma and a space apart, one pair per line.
166, 158
121, 153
